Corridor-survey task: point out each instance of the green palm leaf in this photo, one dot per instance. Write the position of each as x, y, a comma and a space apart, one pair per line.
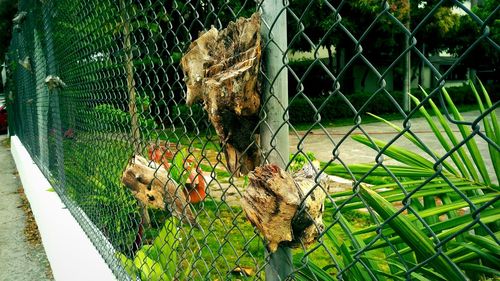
416, 239
437, 198
451, 136
492, 130
471, 143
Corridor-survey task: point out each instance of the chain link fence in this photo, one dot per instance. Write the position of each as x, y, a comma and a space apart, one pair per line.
92, 83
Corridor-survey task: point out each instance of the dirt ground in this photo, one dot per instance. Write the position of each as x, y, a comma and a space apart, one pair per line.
22, 257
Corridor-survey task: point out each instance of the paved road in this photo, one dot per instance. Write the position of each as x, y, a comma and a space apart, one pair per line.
323, 143
19, 261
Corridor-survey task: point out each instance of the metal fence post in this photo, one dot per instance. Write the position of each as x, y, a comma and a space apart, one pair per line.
54, 92
42, 98
274, 132
407, 65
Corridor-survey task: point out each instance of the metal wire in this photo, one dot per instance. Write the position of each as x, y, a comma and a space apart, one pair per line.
93, 82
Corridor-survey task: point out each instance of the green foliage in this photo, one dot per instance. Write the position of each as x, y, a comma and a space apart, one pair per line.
318, 22
308, 270
411, 235
332, 108
463, 173
93, 170
335, 107
158, 261
178, 171
203, 255
314, 80
109, 118
467, 31
8, 9
189, 116
297, 161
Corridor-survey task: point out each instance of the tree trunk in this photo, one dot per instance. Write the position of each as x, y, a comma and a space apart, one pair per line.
129, 68
330, 57
363, 79
132, 105
407, 68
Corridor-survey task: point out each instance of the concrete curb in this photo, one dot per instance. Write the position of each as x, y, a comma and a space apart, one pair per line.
71, 254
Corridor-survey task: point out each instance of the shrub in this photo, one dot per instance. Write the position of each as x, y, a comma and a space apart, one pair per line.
189, 116
336, 107
317, 82
106, 117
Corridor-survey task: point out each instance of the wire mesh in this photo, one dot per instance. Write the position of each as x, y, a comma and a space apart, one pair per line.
412, 198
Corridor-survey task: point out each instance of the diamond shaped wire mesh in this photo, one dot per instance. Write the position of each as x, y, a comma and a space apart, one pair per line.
411, 196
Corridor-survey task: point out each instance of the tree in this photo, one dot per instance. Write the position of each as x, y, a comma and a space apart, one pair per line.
8, 9
317, 24
485, 55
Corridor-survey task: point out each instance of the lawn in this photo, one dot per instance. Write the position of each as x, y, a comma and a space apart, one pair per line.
226, 240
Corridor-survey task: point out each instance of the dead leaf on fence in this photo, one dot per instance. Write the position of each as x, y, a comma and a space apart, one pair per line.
152, 186
221, 69
284, 208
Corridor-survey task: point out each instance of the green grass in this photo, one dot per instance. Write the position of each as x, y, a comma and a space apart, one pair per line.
226, 240
6, 142
223, 241
189, 139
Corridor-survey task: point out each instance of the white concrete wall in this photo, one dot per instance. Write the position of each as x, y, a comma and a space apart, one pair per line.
71, 254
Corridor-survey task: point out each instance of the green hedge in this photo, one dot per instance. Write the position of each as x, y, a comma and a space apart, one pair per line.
107, 117
316, 83
189, 116
300, 110
336, 107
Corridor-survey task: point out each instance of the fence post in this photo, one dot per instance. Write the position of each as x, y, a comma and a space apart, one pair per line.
54, 92
42, 101
129, 68
407, 65
274, 131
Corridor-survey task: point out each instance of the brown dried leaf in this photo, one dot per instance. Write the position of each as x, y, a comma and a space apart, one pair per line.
152, 187
272, 203
221, 69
